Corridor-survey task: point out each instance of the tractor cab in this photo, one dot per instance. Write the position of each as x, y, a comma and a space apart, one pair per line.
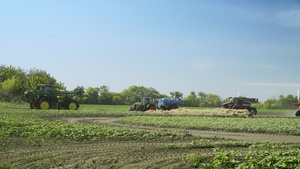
233, 100
145, 100
45, 88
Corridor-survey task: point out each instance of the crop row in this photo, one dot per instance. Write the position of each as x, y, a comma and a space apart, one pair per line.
258, 156
256, 125
253, 146
24, 124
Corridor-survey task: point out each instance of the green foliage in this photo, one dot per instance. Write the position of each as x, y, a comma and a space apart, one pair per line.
106, 97
176, 95
213, 100
36, 76
31, 124
92, 94
14, 81
192, 100
204, 100
255, 125
118, 100
134, 93
281, 103
104, 88
266, 155
12, 85
9, 72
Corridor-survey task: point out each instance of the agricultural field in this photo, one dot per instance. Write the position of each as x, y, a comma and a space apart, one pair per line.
103, 136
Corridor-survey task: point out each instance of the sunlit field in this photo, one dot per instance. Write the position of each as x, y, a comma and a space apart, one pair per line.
110, 136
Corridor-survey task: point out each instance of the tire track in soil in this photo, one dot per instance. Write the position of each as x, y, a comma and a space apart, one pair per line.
91, 154
242, 136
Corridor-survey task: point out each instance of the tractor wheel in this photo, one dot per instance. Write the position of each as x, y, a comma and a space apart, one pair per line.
34, 105
173, 107
253, 111
151, 107
44, 105
73, 105
298, 113
60, 106
139, 109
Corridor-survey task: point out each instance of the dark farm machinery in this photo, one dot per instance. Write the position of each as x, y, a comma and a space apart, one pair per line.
147, 103
241, 103
297, 105
46, 97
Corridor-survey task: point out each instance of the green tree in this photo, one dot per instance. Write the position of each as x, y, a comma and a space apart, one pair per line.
13, 85
9, 72
36, 76
105, 98
213, 100
259, 105
104, 88
281, 103
134, 93
2, 70
82, 99
162, 96
287, 102
117, 100
191, 100
93, 95
271, 104
129, 95
12, 82
202, 98
176, 95
153, 93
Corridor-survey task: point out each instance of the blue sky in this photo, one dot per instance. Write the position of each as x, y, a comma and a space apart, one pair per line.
218, 47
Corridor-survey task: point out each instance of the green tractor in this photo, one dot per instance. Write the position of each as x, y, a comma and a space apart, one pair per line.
46, 97
144, 104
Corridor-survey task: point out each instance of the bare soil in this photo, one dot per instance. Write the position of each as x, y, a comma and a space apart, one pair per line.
100, 154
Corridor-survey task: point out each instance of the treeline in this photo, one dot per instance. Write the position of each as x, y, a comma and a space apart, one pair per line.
282, 102
102, 95
14, 81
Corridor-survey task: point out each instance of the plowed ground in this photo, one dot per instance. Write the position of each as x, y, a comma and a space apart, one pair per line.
100, 154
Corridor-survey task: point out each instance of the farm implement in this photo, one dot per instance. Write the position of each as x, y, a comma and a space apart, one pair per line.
298, 106
46, 97
241, 103
146, 103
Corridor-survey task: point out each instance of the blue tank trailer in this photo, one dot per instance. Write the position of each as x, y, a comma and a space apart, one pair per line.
168, 104
147, 103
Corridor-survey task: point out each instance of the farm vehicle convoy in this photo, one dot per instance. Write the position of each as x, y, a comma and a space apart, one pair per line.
46, 97
146, 103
